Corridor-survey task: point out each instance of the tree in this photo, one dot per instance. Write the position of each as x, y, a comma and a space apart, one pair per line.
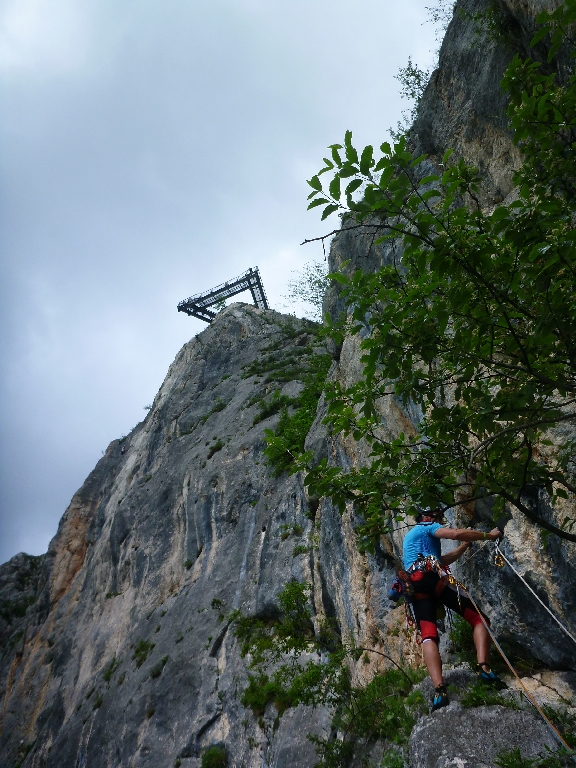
475, 325
309, 286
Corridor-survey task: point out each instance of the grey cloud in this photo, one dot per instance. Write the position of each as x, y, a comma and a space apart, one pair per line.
162, 152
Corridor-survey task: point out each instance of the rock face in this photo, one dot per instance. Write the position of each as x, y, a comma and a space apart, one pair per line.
125, 659
115, 649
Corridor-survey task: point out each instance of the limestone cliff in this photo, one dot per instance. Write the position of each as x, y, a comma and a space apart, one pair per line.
114, 646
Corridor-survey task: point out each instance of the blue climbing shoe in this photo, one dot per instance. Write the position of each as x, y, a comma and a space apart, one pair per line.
489, 677
440, 698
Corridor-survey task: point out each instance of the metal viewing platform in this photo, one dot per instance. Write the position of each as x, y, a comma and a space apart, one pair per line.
197, 306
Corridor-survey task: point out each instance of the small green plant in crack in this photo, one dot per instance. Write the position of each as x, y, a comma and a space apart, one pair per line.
141, 651
287, 530
214, 757
217, 446
98, 701
393, 759
272, 406
188, 564
216, 604
513, 759
565, 722
479, 695
300, 549
110, 669
156, 670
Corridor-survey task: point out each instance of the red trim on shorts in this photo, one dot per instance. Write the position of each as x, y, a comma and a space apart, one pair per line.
428, 630
473, 618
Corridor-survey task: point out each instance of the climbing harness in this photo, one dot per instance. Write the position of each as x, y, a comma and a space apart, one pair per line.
501, 559
525, 690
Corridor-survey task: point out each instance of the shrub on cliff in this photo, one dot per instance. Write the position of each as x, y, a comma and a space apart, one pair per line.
214, 757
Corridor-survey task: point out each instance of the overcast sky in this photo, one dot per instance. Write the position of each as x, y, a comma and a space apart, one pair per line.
149, 150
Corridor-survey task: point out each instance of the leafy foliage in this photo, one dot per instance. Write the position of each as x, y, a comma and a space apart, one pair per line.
214, 757
281, 649
287, 441
413, 82
15, 609
157, 669
514, 759
214, 448
272, 406
141, 651
309, 286
472, 325
110, 669
479, 695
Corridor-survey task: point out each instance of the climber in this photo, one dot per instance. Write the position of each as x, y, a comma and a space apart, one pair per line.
425, 568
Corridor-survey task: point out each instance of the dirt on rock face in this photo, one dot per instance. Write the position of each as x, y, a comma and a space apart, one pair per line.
115, 649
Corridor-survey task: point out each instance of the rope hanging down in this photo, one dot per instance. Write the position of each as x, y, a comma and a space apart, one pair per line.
499, 553
527, 693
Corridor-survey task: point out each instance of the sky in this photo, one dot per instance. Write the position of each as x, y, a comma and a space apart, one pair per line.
150, 150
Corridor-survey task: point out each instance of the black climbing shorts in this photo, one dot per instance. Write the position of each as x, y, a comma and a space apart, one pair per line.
425, 609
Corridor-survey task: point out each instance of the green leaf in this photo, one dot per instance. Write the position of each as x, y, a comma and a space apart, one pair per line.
366, 160
339, 278
317, 201
353, 186
336, 155
335, 187
351, 154
315, 183
328, 210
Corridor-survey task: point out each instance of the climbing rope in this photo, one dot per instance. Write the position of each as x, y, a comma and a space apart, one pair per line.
499, 560
527, 693
502, 556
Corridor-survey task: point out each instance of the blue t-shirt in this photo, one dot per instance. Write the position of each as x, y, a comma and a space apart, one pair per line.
421, 540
